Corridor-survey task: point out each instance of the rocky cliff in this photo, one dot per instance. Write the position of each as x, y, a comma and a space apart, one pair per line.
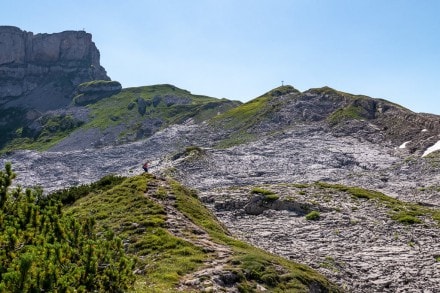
40, 71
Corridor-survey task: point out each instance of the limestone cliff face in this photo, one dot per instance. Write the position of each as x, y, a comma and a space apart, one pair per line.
42, 70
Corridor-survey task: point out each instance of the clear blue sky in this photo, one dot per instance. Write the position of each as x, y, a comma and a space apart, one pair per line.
239, 49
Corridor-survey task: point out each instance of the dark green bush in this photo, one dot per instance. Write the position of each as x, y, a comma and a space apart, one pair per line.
44, 250
70, 195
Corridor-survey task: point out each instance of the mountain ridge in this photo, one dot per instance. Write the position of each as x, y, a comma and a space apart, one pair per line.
366, 169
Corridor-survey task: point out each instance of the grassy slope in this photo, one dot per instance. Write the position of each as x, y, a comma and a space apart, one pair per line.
240, 119
112, 111
163, 258
115, 110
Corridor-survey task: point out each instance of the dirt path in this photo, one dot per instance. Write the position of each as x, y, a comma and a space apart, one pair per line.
213, 276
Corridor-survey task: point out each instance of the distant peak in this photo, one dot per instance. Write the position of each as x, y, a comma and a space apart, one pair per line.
323, 90
282, 90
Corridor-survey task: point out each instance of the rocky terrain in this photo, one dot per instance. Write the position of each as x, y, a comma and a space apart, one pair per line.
295, 145
40, 73
355, 242
42, 70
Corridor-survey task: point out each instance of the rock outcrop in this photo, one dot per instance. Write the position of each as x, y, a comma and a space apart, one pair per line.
93, 91
40, 73
42, 70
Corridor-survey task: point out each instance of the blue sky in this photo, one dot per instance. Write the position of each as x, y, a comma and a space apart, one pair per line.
240, 49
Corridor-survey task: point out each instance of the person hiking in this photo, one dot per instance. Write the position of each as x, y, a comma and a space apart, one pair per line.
145, 166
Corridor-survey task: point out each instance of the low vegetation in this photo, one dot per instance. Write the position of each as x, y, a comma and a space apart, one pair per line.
347, 113
252, 265
269, 196
404, 212
97, 83
138, 112
162, 102
43, 249
240, 120
50, 130
313, 216
94, 237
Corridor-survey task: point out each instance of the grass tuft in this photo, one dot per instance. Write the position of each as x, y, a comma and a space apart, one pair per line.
313, 216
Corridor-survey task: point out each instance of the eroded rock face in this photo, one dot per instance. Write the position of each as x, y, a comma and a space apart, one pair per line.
91, 92
58, 62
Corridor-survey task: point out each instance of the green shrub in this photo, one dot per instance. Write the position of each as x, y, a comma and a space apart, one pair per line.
43, 250
313, 216
69, 195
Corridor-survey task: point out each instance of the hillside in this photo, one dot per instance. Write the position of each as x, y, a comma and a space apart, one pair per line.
179, 245
302, 153
125, 116
341, 114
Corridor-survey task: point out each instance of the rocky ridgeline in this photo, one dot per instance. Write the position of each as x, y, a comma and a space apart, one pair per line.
354, 242
363, 117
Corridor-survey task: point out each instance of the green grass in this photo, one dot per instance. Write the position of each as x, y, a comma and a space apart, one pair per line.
121, 109
404, 212
140, 221
240, 120
123, 106
95, 83
120, 204
259, 190
245, 114
313, 216
269, 196
347, 113
54, 129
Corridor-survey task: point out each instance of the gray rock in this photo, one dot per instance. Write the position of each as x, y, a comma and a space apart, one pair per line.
61, 61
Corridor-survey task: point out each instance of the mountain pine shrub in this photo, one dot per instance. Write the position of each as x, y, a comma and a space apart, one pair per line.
42, 250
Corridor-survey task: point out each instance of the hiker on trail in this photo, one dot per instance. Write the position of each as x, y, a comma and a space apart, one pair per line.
145, 166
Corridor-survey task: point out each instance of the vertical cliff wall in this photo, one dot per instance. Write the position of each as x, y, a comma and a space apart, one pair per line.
41, 71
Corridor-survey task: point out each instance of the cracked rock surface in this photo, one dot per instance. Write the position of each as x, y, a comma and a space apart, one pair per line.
354, 243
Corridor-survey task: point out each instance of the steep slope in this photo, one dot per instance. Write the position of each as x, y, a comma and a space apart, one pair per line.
179, 245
